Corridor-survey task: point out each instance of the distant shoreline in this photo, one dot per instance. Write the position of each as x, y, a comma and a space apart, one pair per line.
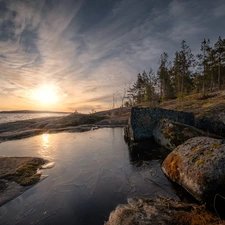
33, 111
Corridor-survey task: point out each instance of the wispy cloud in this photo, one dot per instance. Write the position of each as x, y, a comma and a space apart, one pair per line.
85, 48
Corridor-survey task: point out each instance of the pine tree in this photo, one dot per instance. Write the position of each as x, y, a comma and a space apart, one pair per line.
203, 60
186, 60
219, 51
164, 76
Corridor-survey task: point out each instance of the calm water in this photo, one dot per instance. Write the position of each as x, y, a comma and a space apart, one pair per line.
94, 172
12, 117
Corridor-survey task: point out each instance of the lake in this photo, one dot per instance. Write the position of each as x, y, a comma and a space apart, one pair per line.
12, 117
94, 172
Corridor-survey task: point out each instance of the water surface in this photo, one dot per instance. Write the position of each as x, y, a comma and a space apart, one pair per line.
94, 172
12, 117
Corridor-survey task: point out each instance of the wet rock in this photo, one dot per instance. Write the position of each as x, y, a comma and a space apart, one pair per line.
161, 211
22, 170
170, 134
17, 174
199, 166
143, 121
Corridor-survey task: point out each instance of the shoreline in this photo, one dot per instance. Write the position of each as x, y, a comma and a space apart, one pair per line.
72, 123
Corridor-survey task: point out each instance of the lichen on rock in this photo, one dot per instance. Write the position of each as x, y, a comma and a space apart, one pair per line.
161, 211
198, 166
170, 134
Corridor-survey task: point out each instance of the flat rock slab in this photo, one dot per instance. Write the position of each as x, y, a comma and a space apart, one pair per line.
161, 211
199, 166
17, 174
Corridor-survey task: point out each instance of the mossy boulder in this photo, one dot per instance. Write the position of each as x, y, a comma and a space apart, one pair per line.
170, 134
199, 166
161, 211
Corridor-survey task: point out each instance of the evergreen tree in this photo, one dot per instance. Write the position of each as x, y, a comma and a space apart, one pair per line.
176, 74
219, 50
150, 86
165, 77
202, 63
162, 73
186, 60
211, 67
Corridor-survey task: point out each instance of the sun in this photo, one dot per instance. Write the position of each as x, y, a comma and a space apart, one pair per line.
46, 94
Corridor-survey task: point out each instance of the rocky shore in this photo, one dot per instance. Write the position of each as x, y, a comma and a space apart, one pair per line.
196, 163
74, 122
17, 174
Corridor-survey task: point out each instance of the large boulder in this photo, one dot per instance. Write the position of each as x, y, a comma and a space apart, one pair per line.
160, 211
143, 121
199, 166
170, 134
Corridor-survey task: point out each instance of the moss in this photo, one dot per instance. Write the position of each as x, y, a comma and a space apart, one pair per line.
199, 162
215, 145
208, 153
26, 174
196, 149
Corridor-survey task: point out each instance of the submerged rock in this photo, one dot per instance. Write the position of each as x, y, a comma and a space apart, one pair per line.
170, 134
199, 166
161, 211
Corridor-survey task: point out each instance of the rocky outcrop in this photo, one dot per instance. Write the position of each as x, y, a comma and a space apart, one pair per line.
170, 134
160, 211
199, 166
210, 125
143, 121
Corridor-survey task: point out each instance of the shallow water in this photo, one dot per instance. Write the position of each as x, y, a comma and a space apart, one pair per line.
94, 172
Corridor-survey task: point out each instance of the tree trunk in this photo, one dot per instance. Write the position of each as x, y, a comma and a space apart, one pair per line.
219, 75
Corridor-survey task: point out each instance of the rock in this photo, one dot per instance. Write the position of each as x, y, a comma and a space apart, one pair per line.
160, 211
170, 134
143, 121
211, 125
199, 166
17, 174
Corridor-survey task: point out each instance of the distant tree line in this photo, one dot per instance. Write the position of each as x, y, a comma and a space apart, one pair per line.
187, 74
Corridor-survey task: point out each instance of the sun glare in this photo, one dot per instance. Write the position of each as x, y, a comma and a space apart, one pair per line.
46, 95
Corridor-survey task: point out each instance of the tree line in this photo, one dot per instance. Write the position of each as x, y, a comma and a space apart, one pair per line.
186, 74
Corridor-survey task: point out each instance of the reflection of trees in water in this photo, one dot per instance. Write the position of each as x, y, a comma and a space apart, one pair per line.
144, 151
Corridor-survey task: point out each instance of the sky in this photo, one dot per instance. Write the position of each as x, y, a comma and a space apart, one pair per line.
67, 55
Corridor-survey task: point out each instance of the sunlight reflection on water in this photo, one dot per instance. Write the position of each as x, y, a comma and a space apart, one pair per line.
46, 150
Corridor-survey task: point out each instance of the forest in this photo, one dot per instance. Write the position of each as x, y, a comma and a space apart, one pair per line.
186, 74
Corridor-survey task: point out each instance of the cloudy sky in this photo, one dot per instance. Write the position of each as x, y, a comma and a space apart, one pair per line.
68, 55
